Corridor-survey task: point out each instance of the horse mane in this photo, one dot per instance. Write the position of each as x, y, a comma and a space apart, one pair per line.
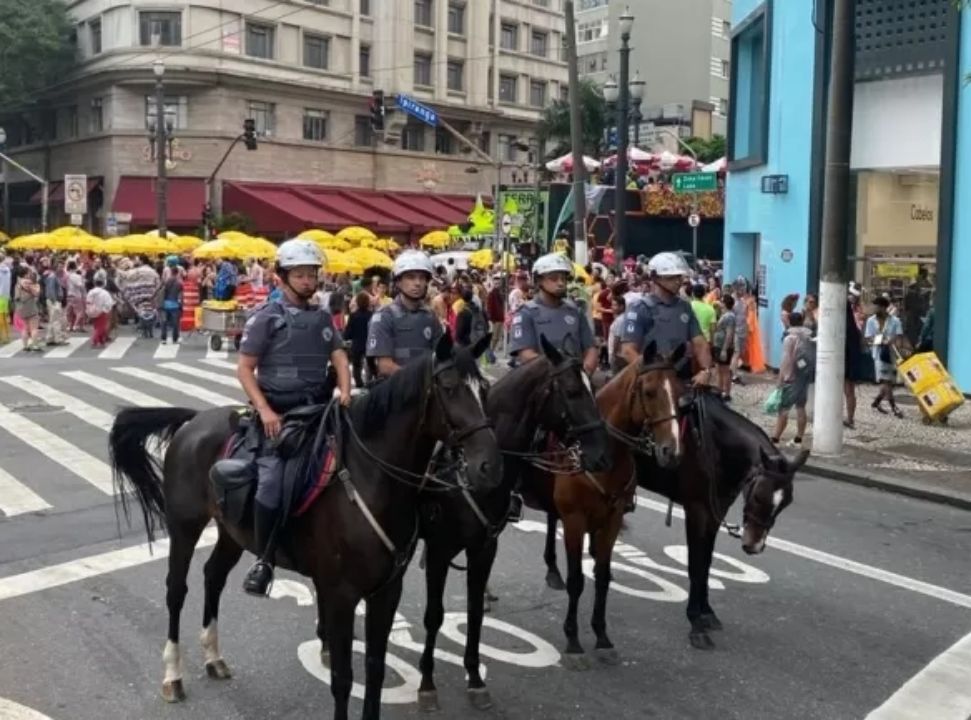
506, 395
615, 392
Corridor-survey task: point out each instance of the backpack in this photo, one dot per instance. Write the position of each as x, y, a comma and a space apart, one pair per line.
805, 357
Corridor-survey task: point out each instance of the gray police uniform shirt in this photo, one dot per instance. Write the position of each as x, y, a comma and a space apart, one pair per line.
669, 324
535, 319
293, 346
402, 334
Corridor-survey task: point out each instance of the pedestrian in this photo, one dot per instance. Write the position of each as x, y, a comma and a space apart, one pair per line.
6, 277
75, 293
789, 303
98, 306
853, 350
884, 332
795, 377
471, 324
27, 308
496, 312
723, 347
615, 332
356, 334
810, 308
172, 299
741, 329
704, 312
54, 299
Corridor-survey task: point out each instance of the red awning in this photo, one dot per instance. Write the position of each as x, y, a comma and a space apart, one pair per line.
186, 198
55, 191
288, 209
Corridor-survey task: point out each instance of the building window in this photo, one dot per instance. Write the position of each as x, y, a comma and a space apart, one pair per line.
315, 124
413, 137
485, 142
564, 92
509, 36
748, 123
94, 28
97, 115
537, 93
176, 112
423, 70
72, 121
259, 40
316, 50
456, 18
423, 13
507, 88
264, 115
507, 148
538, 44
722, 107
363, 133
726, 68
366, 10
455, 72
443, 142
161, 28
364, 61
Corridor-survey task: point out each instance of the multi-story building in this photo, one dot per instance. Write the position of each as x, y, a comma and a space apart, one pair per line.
680, 49
305, 71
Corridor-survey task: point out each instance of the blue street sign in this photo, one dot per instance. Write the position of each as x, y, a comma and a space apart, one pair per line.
417, 110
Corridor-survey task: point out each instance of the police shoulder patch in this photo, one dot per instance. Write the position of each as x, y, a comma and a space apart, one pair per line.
684, 318
517, 319
328, 334
428, 333
570, 319
632, 315
630, 327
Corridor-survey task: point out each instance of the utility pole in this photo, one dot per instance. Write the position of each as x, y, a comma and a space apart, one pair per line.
623, 141
576, 141
830, 350
161, 145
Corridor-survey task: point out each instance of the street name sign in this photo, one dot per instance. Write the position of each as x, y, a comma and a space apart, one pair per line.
75, 194
417, 110
695, 182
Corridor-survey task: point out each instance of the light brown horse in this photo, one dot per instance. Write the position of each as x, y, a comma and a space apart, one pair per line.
640, 407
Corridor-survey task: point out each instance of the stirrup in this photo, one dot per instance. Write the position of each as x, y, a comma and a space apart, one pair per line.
259, 579
515, 512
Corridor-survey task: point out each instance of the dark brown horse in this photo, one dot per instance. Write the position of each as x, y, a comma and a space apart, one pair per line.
354, 542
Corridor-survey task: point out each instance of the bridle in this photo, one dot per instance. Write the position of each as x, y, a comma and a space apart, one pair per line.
644, 443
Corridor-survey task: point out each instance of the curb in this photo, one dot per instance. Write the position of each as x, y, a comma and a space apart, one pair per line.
889, 484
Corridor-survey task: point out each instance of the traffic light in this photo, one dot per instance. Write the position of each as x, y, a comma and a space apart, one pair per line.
206, 215
249, 133
377, 110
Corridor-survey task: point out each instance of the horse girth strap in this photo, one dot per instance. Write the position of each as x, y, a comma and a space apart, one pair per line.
616, 497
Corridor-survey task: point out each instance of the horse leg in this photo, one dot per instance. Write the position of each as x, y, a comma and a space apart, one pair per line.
605, 539
553, 578
380, 618
436, 574
480, 566
322, 626
221, 561
183, 535
574, 529
339, 610
708, 616
697, 528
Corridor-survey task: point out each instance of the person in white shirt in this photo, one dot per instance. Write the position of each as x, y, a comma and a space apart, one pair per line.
98, 306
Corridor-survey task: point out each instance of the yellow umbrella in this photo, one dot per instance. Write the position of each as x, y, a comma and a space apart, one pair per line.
259, 248
369, 257
481, 259
355, 234
186, 243
145, 245
37, 241
580, 272
218, 249
168, 233
232, 235
435, 239
318, 236
4, 237
383, 244
339, 263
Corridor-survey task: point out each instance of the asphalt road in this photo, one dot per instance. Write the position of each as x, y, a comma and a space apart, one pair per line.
860, 592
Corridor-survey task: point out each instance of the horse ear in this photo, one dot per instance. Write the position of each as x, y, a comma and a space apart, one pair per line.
650, 352
679, 353
550, 351
798, 461
571, 348
481, 346
444, 347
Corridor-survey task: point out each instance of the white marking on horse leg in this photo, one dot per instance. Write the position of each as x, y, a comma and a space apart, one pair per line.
210, 642
172, 658
673, 412
777, 499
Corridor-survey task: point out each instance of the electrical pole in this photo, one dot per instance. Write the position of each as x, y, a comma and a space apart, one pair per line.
623, 142
576, 140
830, 350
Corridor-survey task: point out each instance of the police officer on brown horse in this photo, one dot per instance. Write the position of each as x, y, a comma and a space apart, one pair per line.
283, 364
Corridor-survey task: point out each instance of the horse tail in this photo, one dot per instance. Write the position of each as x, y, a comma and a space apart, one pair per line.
137, 471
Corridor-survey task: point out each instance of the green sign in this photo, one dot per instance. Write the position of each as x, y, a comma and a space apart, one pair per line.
695, 182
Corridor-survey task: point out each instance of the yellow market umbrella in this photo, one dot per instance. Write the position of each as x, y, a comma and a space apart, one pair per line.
168, 233
186, 243
259, 248
4, 238
383, 244
36, 241
145, 245
232, 235
581, 274
339, 263
369, 257
481, 259
435, 239
318, 236
219, 249
355, 234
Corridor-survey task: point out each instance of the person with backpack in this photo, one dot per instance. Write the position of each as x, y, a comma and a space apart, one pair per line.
471, 323
795, 376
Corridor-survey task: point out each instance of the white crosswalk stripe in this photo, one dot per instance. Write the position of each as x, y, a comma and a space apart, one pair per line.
81, 410
64, 351
217, 354
117, 349
11, 349
199, 373
196, 391
16, 498
216, 362
129, 395
166, 352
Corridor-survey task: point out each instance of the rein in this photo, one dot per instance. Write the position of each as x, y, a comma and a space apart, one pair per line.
643, 443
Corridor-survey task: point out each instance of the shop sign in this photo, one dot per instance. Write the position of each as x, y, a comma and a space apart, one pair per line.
896, 270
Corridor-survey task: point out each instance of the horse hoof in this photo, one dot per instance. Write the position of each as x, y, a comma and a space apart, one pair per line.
608, 656
218, 670
479, 698
172, 691
487, 605
711, 621
490, 597
325, 658
576, 661
554, 581
701, 641
428, 701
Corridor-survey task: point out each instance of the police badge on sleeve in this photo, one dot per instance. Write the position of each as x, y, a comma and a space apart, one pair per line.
427, 332
328, 334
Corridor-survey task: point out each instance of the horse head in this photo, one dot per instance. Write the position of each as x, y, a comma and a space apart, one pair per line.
570, 409
455, 410
766, 496
654, 401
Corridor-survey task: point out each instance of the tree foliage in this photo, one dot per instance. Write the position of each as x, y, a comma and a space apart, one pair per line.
707, 150
555, 124
37, 48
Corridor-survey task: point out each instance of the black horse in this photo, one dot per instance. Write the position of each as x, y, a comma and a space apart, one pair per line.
355, 540
551, 393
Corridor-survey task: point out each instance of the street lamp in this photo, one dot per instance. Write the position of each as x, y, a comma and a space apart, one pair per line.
626, 24
160, 138
637, 86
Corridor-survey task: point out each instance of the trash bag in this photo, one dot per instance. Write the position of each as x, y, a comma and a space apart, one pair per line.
773, 402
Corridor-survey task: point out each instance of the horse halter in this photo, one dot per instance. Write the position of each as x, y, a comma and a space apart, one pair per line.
644, 442
747, 517
572, 432
455, 436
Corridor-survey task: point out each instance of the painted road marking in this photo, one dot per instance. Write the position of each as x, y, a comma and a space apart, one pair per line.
117, 348
201, 374
53, 576
196, 391
941, 690
81, 410
70, 457
17, 499
217, 354
216, 362
129, 396
850, 566
11, 349
73, 343
166, 352
9, 710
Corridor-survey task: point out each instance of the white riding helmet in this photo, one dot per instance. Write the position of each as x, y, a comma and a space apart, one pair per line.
299, 253
412, 261
668, 264
554, 262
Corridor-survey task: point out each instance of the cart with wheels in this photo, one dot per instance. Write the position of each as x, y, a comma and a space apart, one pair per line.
925, 376
222, 324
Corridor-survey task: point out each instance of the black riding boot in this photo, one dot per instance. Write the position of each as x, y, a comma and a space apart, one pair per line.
260, 576
515, 512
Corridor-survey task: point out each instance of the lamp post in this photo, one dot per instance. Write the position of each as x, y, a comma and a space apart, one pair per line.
160, 138
637, 86
623, 139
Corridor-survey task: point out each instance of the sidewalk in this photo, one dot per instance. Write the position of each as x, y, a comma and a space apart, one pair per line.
899, 455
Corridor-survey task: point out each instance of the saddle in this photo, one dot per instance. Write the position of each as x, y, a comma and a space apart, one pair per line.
306, 445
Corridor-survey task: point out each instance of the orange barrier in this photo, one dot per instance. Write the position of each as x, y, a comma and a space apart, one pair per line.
190, 301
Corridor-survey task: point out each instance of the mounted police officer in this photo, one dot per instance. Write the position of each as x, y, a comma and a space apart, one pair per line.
406, 329
666, 318
283, 362
552, 315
